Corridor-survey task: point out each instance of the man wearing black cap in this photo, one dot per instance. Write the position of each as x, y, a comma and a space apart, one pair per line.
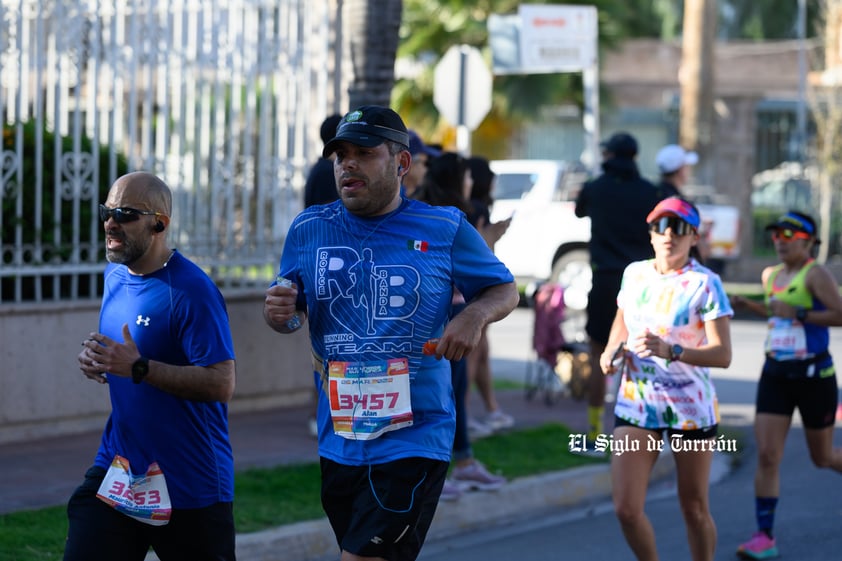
374, 273
617, 202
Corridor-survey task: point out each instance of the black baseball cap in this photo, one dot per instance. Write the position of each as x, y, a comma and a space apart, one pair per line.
369, 126
328, 128
621, 144
417, 146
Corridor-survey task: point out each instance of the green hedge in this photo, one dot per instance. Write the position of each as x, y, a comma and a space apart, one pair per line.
55, 251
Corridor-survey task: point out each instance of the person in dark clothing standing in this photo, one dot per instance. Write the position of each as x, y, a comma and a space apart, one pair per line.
617, 203
320, 187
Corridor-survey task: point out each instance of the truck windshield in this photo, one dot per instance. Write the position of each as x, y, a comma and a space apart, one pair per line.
514, 185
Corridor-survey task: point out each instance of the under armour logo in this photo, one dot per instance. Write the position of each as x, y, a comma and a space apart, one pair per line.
376, 540
143, 320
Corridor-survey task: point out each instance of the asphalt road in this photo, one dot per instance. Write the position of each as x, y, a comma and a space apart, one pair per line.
809, 512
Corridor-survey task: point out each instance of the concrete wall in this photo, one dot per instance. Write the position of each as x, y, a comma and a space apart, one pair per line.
44, 393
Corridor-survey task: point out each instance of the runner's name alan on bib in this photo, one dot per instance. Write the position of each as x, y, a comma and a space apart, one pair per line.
368, 399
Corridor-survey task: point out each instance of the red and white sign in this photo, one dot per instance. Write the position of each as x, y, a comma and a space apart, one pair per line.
557, 38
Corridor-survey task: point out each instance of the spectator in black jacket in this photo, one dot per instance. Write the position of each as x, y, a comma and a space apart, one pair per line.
617, 203
320, 187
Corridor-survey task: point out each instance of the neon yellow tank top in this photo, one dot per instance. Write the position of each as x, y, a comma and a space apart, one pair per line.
786, 339
795, 293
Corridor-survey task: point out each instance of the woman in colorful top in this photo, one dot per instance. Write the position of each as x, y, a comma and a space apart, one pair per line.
801, 301
673, 317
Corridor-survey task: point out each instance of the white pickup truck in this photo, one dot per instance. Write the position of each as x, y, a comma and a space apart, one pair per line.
546, 241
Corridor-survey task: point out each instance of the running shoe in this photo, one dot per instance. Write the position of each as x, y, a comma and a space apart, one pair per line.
475, 476
450, 492
478, 429
760, 546
497, 420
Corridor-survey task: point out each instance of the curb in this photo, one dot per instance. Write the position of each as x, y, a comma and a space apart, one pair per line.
314, 540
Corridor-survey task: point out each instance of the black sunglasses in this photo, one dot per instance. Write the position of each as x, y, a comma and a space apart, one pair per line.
678, 226
124, 214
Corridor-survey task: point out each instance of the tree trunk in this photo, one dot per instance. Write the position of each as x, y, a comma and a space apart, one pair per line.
697, 118
826, 96
371, 28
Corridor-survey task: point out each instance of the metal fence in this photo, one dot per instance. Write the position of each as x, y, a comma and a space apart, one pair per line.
221, 98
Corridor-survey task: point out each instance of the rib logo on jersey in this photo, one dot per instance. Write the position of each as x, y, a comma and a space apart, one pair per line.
368, 300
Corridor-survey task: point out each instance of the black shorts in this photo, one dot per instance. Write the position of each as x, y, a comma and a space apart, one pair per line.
815, 397
382, 510
98, 532
602, 305
689, 434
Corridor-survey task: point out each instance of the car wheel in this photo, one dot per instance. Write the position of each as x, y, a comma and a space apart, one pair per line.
573, 272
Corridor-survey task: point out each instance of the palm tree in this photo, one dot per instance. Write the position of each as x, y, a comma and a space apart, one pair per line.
372, 28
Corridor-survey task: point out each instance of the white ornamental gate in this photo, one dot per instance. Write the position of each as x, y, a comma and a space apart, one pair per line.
221, 98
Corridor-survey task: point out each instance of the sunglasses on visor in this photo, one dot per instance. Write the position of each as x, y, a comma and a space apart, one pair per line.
678, 226
121, 215
787, 235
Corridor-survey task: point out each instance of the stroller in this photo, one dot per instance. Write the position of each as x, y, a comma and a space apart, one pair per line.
559, 368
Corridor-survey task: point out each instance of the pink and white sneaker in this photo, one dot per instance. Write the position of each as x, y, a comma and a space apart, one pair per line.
760, 546
475, 476
450, 492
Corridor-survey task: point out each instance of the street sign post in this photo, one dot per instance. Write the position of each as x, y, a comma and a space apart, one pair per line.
462, 91
550, 38
557, 38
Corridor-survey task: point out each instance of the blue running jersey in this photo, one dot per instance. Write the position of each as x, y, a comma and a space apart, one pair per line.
377, 289
175, 315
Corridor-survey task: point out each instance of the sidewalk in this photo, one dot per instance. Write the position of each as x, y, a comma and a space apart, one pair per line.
44, 473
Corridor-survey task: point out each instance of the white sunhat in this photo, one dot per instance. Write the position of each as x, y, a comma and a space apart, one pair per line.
672, 157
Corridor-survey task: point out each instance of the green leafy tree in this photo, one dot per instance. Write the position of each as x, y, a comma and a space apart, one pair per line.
770, 19
430, 28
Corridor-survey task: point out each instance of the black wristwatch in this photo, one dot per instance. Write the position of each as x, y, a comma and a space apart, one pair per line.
801, 314
675, 352
140, 369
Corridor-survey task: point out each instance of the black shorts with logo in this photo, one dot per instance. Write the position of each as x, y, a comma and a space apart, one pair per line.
382, 510
781, 389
